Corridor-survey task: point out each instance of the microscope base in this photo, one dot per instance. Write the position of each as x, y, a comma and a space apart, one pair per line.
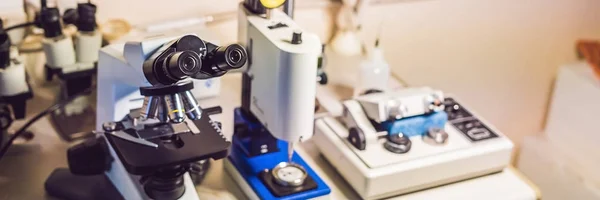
63, 184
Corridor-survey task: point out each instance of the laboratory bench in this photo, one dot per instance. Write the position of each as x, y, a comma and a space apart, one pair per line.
25, 168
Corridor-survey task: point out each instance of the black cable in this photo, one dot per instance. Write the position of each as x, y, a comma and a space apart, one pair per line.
23, 25
48, 110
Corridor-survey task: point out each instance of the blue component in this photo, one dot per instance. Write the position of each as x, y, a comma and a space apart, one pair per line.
250, 166
417, 125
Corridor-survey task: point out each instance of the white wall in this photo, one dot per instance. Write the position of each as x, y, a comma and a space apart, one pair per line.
498, 56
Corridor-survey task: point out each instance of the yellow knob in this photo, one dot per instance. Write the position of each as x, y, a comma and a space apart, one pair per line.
270, 4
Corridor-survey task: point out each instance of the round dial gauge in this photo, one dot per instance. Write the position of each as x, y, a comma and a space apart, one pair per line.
289, 174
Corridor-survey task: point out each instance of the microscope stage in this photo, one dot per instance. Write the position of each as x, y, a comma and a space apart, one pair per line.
140, 159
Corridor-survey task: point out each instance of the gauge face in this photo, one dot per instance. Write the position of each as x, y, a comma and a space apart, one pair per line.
272, 3
289, 174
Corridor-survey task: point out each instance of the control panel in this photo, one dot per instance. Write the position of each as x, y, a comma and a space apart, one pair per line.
466, 123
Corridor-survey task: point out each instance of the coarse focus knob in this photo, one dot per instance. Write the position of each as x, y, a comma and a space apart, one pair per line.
90, 157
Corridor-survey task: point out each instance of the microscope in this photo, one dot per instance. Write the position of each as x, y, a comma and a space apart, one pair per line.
147, 148
73, 61
277, 111
14, 88
396, 142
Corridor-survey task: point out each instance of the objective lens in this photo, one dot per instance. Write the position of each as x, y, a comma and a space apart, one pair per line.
150, 107
174, 105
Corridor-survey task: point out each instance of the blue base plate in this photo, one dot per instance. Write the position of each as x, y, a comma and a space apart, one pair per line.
250, 167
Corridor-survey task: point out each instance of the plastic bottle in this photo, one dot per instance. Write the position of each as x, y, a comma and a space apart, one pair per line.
373, 73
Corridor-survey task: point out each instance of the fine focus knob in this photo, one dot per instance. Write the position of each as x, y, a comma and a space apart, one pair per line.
90, 157
397, 143
297, 37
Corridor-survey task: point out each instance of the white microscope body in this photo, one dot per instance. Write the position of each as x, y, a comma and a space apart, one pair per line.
120, 75
155, 75
394, 143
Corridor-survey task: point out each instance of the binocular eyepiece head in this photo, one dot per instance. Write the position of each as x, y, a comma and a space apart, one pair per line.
190, 56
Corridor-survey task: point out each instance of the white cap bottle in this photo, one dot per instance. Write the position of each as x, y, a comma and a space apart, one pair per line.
373, 73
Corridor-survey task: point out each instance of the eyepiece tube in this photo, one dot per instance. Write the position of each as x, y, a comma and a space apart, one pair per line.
225, 58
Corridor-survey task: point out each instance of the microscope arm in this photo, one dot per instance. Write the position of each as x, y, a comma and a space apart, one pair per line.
120, 75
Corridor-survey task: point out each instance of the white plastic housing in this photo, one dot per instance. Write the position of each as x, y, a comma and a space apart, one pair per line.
283, 76
59, 52
377, 173
119, 79
87, 46
13, 79
412, 101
